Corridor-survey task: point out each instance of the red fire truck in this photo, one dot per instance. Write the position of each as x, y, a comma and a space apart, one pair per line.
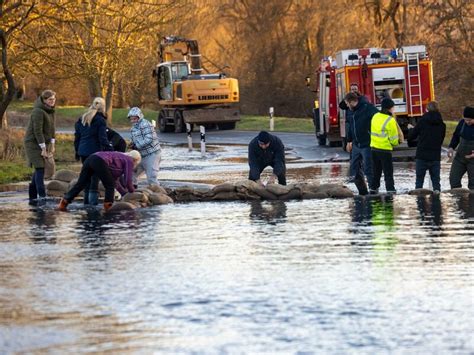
404, 74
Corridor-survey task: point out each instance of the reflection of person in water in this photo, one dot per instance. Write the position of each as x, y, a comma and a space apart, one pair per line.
430, 211
466, 205
272, 212
43, 223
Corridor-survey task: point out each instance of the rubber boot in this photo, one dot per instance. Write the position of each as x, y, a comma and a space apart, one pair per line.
107, 206
63, 205
93, 197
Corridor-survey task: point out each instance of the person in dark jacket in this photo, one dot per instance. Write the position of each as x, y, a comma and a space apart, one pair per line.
354, 88
39, 141
91, 137
118, 143
463, 140
267, 150
114, 169
358, 138
430, 131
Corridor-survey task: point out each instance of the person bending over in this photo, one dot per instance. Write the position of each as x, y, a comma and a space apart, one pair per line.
267, 150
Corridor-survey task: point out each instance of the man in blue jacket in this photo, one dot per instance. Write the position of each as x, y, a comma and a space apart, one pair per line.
267, 150
358, 138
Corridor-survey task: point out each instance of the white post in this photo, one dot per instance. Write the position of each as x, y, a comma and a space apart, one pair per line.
272, 123
190, 137
203, 140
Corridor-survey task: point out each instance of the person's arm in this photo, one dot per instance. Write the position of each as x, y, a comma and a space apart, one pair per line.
392, 131
279, 159
343, 105
145, 136
253, 162
414, 132
456, 136
102, 134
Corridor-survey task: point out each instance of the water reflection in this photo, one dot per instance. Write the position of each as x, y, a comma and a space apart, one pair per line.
272, 212
430, 211
466, 205
42, 223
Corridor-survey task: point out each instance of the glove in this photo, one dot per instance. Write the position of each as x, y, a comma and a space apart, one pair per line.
450, 152
132, 146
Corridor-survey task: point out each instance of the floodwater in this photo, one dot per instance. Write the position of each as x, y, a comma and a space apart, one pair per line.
365, 275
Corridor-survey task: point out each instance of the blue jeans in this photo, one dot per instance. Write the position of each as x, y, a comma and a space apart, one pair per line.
434, 167
361, 163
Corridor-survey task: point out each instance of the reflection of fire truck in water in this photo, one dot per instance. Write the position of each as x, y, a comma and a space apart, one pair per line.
404, 75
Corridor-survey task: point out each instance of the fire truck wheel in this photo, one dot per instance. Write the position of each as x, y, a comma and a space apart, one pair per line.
322, 140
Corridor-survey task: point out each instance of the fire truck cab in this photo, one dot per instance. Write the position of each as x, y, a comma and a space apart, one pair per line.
405, 75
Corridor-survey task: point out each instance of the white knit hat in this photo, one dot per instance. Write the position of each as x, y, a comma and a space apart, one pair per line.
135, 111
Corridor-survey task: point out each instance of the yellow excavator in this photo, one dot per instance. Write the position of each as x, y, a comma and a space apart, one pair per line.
187, 95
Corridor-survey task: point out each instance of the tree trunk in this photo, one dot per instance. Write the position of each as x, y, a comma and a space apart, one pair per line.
120, 93
109, 100
7, 96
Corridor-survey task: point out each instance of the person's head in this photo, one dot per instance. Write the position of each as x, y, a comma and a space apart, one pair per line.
351, 99
135, 114
135, 155
432, 106
48, 97
354, 88
98, 105
263, 139
468, 115
388, 106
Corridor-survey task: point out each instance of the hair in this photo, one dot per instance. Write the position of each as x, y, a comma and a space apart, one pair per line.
432, 106
351, 97
98, 105
135, 155
46, 94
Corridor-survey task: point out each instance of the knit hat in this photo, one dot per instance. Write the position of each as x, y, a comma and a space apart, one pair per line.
263, 137
135, 111
387, 103
468, 112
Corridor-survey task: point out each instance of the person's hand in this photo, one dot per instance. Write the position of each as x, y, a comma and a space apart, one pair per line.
470, 156
77, 157
260, 182
272, 179
450, 152
132, 146
44, 153
349, 147
410, 126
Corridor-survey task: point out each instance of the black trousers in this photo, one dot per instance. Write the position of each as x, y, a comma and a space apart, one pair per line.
254, 174
382, 162
93, 165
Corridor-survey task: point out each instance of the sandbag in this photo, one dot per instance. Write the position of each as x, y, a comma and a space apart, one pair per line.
144, 190
340, 192
65, 175
49, 167
121, 206
420, 192
293, 194
157, 189
135, 197
225, 187
249, 185
58, 186
314, 195
459, 191
225, 196
160, 199
278, 189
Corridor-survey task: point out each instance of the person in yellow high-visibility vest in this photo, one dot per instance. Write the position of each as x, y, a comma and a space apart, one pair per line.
383, 137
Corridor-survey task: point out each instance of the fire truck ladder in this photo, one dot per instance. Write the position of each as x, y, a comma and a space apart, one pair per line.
414, 83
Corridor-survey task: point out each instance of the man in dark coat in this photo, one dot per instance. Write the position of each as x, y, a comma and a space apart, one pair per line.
463, 142
358, 142
267, 150
430, 131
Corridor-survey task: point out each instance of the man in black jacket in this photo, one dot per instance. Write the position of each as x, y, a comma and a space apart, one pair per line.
430, 131
358, 138
267, 150
463, 140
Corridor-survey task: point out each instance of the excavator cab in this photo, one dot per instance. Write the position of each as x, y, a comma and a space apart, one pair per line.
167, 74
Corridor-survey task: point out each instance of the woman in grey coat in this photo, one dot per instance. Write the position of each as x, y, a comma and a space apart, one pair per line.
39, 141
